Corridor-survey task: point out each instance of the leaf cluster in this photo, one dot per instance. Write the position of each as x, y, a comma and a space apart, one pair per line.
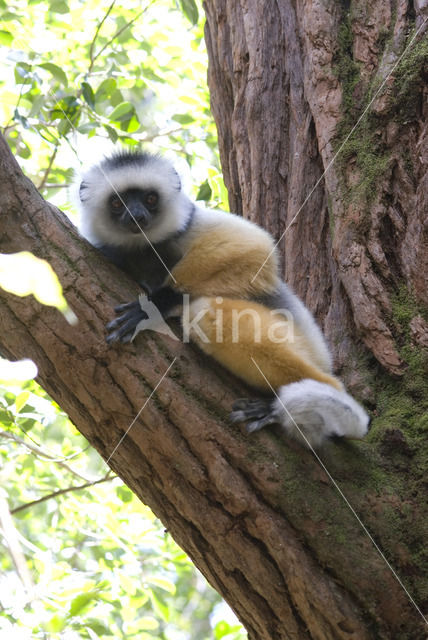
77, 76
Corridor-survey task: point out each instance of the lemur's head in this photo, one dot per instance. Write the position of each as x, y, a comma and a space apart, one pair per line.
132, 198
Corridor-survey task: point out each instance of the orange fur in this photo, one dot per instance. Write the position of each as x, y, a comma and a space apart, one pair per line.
223, 259
239, 330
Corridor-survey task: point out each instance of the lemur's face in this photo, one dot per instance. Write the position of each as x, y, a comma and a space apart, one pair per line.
135, 209
131, 199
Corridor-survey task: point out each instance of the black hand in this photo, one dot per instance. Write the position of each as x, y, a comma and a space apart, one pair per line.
123, 327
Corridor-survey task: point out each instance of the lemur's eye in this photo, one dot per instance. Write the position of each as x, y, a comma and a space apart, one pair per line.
151, 199
116, 203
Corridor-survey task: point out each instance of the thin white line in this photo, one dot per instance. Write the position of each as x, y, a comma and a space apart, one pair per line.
138, 414
341, 146
333, 481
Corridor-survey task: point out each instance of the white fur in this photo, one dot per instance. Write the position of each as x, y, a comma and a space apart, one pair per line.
320, 411
101, 182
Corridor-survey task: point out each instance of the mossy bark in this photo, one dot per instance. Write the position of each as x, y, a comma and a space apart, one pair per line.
288, 83
322, 116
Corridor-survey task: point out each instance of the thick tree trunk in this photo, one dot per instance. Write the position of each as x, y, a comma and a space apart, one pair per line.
258, 515
288, 81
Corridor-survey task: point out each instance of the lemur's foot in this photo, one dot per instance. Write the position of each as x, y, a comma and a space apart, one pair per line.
246, 409
122, 328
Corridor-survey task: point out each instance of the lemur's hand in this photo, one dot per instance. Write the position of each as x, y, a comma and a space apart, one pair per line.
122, 328
246, 409
142, 315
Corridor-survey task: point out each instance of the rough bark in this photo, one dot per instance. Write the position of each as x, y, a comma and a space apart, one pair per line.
258, 516
288, 81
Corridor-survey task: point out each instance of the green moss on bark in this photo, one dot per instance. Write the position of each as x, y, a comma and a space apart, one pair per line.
366, 147
409, 77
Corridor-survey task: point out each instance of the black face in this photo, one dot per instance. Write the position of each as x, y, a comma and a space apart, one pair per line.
134, 209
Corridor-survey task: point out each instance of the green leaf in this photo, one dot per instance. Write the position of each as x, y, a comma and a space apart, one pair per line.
80, 602
123, 112
87, 127
112, 133
46, 134
98, 626
162, 583
6, 419
190, 10
124, 494
56, 624
145, 623
183, 118
6, 38
83, 600
105, 89
59, 6
160, 607
205, 192
132, 125
23, 150
23, 73
88, 94
55, 71
21, 400
22, 273
64, 127
22, 119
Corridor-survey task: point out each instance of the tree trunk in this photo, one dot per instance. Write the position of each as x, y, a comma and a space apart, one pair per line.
288, 81
258, 515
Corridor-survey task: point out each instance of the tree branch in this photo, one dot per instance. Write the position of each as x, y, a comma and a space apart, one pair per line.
46, 173
38, 451
61, 492
92, 58
10, 534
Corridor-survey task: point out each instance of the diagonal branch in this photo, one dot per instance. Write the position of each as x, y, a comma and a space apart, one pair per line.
61, 492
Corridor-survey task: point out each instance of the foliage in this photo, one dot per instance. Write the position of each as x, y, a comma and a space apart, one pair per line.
94, 561
79, 75
364, 146
82, 557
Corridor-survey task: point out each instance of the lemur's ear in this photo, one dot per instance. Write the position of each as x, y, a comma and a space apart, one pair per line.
83, 187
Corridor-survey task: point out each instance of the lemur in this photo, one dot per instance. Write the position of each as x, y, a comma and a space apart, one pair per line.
133, 209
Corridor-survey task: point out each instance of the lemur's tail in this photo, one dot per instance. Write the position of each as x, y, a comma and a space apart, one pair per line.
309, 411
320, 412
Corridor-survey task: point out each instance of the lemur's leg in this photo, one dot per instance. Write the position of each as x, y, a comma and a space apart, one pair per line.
260, 346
